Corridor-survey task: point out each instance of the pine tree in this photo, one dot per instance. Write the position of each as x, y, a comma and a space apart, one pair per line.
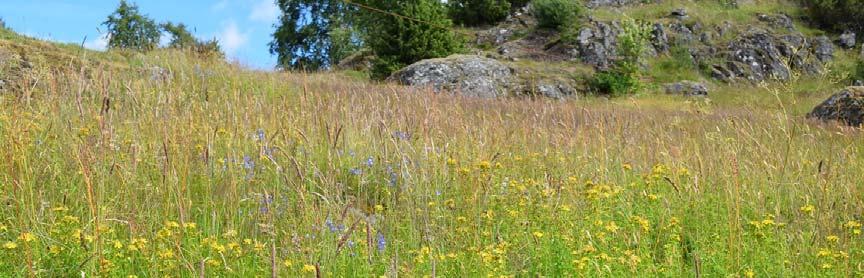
478, 12
409, 31
128, 29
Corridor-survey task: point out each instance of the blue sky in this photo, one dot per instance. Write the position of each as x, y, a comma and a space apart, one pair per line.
243, 27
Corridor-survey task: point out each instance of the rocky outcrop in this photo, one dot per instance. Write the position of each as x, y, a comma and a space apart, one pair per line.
847, 107
466, 75
847, 40
517, 23
778, 21
762, 55
596, 43
360, 61
687, 88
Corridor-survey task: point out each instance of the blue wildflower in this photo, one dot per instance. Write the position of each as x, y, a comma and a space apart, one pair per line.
260, 135
248, 164
333, 227
381, 242
370, 161
356, 171
401, 135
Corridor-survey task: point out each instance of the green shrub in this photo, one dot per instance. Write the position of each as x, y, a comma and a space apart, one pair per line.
398, 41
858, 73
478, 12
556, 14
837, 14
129, 29
615, 82
624, 76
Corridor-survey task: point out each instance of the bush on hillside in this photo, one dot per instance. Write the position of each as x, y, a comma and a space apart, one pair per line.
398, 41
623, 78
837, 14
181, 38
556, 14
478, 12
129, 29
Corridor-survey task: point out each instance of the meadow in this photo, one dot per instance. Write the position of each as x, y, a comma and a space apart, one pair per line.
201, 169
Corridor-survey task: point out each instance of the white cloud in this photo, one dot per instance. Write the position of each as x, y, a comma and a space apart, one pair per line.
99, 43
221, 5
231, 39
265, 11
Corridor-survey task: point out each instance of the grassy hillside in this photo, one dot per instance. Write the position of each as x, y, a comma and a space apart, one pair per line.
122, 164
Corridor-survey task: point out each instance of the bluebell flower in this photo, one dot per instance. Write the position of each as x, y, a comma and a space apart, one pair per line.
248, 164
356, 171
333, 227
370, 161
401, 135
260, 135
381, 242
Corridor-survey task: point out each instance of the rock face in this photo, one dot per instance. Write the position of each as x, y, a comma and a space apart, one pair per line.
596, 43
777, 21
686, 88
847, 40
466, 75
761, 55
847, 106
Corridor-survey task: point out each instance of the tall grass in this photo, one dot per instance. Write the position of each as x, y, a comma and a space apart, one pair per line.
211, 170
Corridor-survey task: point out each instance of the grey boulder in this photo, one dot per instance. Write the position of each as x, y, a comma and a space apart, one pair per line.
847, 107
686, 88
466, 75
847, 40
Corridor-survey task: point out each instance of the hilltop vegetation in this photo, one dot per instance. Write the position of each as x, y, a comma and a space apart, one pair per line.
169, 163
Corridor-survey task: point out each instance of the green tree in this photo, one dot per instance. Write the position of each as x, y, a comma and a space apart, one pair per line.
556, 14
478, 12
129, 29
406, 32
181, 38
313, 34
180, 35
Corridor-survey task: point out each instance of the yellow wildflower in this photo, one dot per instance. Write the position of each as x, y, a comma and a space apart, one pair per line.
309, 268
808, 209
10, 245
749, 273
27, 237
288, 263
538, 234
832, 238
627, 166
55, 250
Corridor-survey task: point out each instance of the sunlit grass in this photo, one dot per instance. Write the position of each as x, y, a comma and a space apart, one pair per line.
216, 171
